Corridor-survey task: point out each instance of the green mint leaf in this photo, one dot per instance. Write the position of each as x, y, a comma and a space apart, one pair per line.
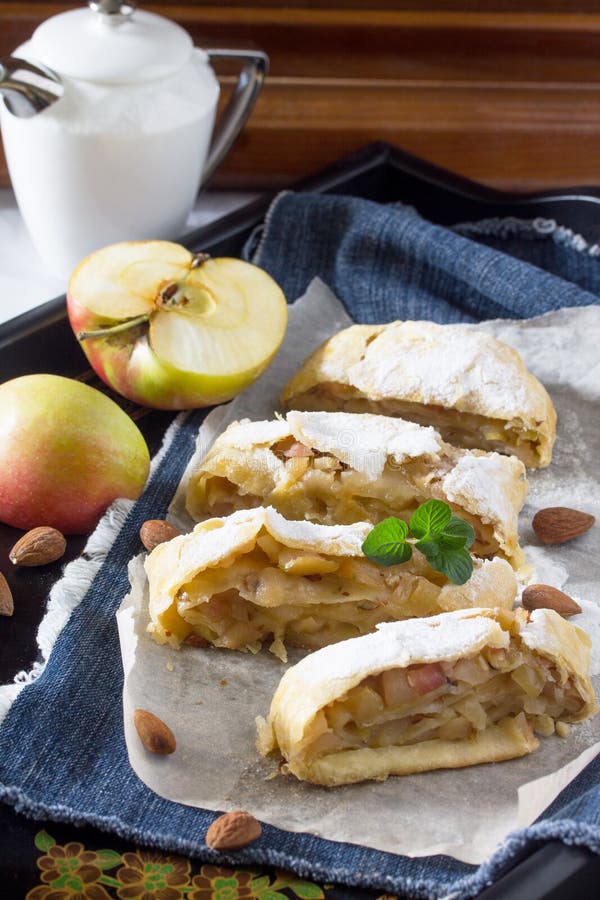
386, 543
448, 541
458, 566
431, 550
457, 535
455, 563
431, 517
459, 529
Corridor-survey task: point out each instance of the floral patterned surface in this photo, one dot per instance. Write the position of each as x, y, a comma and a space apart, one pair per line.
70, 872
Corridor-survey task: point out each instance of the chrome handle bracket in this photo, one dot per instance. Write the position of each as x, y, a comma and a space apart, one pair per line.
255, 65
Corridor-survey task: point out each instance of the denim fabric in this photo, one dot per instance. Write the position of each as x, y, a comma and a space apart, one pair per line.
62, 752
385, 262
543, 243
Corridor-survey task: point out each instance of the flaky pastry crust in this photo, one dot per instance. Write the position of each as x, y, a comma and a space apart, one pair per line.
461, 688
473, 388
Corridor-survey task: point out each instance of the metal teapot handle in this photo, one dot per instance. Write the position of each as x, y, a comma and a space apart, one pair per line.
27, 89
255, 65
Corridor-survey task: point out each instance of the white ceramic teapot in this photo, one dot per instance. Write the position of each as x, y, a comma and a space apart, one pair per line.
107, 124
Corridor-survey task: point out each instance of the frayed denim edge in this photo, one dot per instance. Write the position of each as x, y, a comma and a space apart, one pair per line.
534, 229
568, 831
258, 238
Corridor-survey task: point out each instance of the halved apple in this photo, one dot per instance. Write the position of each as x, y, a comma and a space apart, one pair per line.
173, 330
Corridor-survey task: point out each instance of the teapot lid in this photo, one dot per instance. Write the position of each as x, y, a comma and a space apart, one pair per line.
111, 43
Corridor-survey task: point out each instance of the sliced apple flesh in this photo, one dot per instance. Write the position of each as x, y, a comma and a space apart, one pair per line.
201, 328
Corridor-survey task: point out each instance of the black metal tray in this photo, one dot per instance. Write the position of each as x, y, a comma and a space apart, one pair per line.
41, 341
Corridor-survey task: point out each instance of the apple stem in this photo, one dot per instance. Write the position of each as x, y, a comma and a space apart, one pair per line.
199, 259
113, 329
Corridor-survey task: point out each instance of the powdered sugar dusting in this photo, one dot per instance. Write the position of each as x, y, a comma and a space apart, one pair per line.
449, 365
589, 620
446, 636
338, 540
247, 434
546, 569
489, 485
364, 441
493, 583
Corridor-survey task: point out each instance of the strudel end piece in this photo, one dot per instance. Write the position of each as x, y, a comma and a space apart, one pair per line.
347, 467
255, 576
473, 388
454, 690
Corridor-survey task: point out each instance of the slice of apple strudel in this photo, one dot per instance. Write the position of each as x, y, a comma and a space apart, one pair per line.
253, 576
473, 388
457, 689
346, 467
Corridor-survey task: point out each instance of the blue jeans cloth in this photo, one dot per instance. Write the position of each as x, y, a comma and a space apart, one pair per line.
385, 262
62, 751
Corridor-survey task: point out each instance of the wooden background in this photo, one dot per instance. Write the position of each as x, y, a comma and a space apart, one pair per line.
504, 92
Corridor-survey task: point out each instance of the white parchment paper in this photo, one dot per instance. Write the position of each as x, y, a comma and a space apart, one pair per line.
210, 698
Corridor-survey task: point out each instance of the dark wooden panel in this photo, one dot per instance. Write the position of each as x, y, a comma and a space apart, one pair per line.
502, 136
503, 92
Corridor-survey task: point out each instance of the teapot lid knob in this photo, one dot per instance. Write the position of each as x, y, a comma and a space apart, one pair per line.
116, 10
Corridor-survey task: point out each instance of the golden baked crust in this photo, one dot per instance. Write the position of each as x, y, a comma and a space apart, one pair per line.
473, 388
453, 690
348, 467
236, 582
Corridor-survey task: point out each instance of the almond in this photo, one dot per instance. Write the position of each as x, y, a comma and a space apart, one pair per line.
233, 830
155, 532
154, 734
543, 596
557, 524
38, 547
7, 606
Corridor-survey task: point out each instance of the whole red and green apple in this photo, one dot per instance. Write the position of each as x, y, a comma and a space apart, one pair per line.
66, 452
170, 329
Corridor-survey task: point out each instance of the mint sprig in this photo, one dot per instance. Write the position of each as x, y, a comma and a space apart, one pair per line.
443, 539
386, 544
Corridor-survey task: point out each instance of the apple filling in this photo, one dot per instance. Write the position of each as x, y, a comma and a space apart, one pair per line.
446, 701
463, 429
301, 598
318, 487
458, 689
